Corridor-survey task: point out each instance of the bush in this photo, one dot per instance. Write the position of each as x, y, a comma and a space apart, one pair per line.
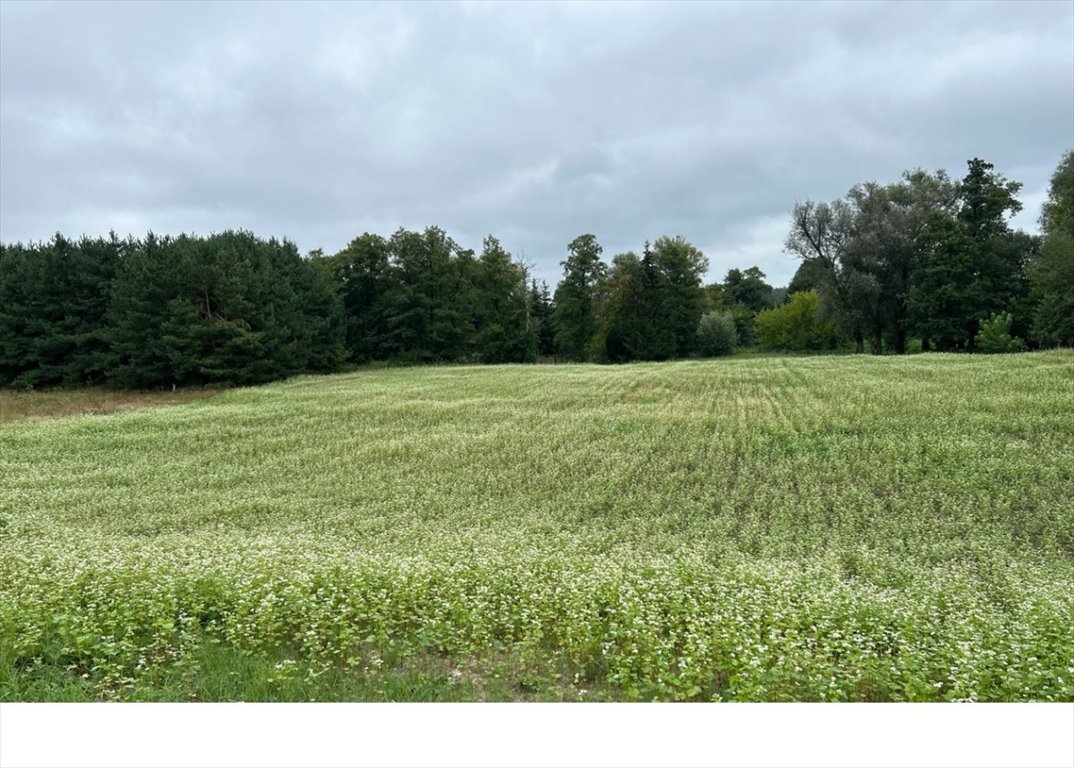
716, 334
794, 326
995, 335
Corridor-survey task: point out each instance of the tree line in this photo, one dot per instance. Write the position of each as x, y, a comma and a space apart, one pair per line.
927, 260
935, 259
163, 311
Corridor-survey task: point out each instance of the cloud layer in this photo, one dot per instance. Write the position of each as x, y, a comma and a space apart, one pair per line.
534, 122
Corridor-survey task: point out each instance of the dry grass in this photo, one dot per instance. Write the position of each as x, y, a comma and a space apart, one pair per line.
58, 403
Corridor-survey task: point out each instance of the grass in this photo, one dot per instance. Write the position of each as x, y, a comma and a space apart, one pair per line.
827, 528
32, 405
217, 672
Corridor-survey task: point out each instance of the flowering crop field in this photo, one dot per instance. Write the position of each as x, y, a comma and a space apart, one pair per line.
767, 529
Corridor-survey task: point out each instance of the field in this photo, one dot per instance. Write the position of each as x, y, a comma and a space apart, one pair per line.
840, 528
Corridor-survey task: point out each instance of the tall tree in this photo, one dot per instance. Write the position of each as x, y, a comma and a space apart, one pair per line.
363, 276
747, 287
502, 328
681, 268
908, 207
972, 265
637, 321
938, 301
807, 277
53, 305
860, 253
231, 308
541, 317
429, 312
823, 233
576, 297
1051, 272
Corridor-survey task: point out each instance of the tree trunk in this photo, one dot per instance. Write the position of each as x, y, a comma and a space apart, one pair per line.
859, 342
876, 344
971, 335
900, 340
925, 345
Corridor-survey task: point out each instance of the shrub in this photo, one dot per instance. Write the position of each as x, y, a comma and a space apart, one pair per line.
716, 334
794, 326
995, 335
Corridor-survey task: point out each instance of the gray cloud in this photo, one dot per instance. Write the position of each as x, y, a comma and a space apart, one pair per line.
534, 122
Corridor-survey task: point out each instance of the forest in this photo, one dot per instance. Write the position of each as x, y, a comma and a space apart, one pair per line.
925, 263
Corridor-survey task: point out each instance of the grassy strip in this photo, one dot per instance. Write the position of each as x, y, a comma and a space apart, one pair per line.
32, 405
214, 671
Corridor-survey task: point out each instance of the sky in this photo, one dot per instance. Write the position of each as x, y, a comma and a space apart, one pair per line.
533, 122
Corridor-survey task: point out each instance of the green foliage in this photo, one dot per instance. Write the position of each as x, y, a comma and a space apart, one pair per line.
822, 233
987, 199
742, 294
995, 335
808, 277
429, 306
1051, 273
542, 318
635, 315
716, 334
923, 255
858, 253
681, 267
938, 300
754, 530
744, 318
795, 326
420, 297
361, 274
576, 306
649, 308
54, 298
1053, 321
969, 264
231, 308
747, 288
502, 329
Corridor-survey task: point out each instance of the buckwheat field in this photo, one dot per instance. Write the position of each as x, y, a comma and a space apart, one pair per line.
770, 529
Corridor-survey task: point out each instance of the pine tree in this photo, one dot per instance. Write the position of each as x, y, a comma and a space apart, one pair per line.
576, 300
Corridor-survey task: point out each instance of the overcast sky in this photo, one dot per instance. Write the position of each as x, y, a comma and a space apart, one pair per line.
534, 122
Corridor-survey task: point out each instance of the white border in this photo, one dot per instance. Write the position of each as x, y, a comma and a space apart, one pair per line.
525, 735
